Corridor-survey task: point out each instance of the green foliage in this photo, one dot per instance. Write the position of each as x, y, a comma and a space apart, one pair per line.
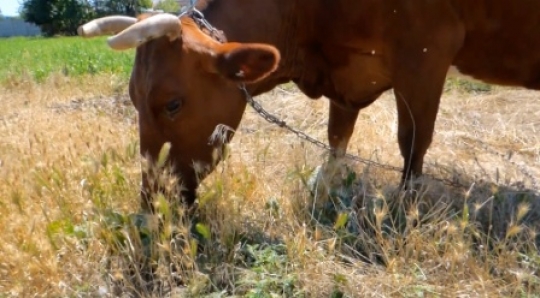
57, 16
163, 155
123, 7
65, 229
38, 58
204, 230
269, 275
170, 6
63, 17
466, 86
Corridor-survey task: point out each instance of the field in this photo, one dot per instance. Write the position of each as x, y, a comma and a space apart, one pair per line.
70, 174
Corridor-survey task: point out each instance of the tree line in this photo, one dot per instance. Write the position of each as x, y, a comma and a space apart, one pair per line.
63, 17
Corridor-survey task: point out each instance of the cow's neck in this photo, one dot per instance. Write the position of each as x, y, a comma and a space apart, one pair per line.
265, 21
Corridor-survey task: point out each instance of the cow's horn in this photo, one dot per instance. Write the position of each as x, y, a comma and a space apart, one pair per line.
145, 30
106, 25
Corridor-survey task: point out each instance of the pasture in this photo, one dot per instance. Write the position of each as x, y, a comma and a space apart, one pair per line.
69, 195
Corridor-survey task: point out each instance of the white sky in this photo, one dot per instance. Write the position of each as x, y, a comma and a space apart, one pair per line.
10, 7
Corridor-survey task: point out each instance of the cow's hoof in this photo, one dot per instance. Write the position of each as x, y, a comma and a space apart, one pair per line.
329, 178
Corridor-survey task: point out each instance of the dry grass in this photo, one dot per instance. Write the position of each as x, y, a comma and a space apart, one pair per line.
69, 168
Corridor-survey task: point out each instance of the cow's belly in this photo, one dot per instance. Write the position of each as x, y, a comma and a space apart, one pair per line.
362, 78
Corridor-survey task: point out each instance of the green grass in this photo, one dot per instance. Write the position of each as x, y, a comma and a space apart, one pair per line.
38, 58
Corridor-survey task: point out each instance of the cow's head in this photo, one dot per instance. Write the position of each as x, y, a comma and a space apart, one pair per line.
184, 85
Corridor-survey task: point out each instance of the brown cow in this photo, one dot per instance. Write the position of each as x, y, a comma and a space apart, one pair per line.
184, 83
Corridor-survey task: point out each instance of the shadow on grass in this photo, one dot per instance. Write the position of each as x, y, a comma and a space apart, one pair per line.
374, 222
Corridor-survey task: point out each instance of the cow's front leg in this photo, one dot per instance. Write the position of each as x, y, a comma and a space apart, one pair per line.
417, 99
418, 75
340, 129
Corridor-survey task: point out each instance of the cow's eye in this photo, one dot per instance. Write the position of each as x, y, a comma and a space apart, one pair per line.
173, 107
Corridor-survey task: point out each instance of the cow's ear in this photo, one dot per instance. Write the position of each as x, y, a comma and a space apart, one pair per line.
245, 63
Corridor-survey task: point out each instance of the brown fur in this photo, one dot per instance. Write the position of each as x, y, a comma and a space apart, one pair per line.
349, 51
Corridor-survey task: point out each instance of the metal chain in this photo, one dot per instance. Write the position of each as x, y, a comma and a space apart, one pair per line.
198, 17
187, 6
302, 135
